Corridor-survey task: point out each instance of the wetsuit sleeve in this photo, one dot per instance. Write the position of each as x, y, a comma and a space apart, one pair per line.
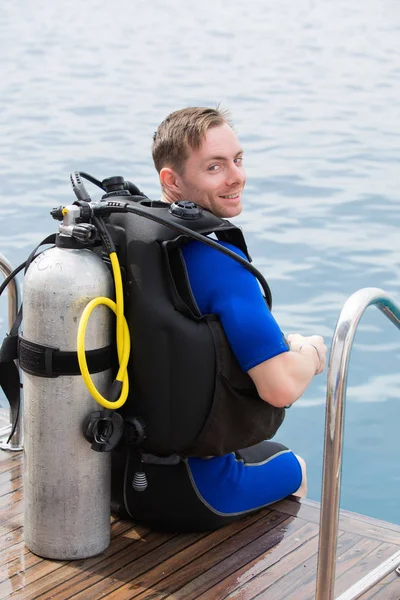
224, 287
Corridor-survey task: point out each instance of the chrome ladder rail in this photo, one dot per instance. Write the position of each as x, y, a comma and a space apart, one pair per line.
342, 342
15, 443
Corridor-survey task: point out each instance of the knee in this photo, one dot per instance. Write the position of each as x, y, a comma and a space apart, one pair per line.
301, 492
303, 465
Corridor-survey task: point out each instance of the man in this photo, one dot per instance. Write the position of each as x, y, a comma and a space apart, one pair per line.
199, 158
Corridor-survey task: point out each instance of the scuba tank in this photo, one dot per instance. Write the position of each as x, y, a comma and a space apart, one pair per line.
67, 362
66, 484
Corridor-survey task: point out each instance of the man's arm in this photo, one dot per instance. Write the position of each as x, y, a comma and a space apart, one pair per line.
223, 287
282, 379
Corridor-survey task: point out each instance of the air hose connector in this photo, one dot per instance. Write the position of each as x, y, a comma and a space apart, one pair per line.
104, 430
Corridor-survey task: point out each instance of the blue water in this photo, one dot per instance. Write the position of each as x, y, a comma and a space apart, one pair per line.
313, 87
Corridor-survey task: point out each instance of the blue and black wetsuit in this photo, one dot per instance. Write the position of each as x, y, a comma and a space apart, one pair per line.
205, 493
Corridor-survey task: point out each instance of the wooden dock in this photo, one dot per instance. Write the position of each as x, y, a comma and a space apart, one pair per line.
269, 555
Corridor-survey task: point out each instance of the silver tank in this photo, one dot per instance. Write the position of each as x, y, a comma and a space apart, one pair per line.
66, 483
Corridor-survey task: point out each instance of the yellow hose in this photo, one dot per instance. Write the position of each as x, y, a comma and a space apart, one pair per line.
123, 340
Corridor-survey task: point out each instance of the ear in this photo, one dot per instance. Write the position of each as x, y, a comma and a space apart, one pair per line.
169, 179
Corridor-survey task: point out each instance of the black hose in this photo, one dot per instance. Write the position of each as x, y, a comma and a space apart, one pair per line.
11, 276
49, 240
123, 207
91, 179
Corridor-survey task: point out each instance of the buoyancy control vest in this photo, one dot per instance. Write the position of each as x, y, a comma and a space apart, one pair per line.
187, 390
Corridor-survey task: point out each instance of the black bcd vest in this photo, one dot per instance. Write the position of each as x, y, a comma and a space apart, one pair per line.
186, 385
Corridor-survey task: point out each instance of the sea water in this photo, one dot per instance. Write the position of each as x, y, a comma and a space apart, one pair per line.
313, 88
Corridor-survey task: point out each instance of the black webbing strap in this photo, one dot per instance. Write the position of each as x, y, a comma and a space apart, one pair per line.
9, 379
45, 361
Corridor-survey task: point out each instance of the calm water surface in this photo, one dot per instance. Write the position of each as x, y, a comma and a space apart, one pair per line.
313, 87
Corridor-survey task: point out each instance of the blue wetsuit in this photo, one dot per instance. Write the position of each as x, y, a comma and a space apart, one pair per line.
232, 484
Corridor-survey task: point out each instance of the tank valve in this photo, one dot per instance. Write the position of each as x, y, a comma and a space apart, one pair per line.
57, 213
85, 233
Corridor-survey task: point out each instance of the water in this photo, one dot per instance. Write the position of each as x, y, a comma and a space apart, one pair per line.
313, 87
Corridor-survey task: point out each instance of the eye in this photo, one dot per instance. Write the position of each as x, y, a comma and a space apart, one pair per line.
239, 160
213, 168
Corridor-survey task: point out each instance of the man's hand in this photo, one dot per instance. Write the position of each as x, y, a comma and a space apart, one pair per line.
307, 345
282, 379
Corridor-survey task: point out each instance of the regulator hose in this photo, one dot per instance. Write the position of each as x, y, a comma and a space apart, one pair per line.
116, 206
120, 387
123, 207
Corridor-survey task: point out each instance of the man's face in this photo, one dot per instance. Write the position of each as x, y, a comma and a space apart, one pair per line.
214, 176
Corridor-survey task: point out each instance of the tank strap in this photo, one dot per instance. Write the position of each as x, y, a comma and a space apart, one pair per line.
10, 383
47, 361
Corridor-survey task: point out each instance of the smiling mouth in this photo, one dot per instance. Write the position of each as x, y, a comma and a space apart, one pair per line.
231, 196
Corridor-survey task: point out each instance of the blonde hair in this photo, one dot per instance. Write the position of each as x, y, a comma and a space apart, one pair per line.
181, 131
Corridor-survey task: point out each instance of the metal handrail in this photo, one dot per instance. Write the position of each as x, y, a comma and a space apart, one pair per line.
336, 391
15, 443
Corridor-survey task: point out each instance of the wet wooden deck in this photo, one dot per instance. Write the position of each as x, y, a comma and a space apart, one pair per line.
269, 555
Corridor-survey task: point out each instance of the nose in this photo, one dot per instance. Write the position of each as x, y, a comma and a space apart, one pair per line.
235, 175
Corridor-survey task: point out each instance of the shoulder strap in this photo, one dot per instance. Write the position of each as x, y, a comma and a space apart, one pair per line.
234, 236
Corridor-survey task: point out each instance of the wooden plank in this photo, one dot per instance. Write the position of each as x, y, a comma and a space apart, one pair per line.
356, 561
19, 559
11, 531
16, 551
172, 574
223, 573
19, 565
387, 589
12, 552
295, 537
286, 577
349, 559
5, 454
312, 504
11, 536
11, 500
363, 566
11, 473
50, 568
160, 558
76, 575
348, 522
11, 505
12, 512
9, 460
9, 487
